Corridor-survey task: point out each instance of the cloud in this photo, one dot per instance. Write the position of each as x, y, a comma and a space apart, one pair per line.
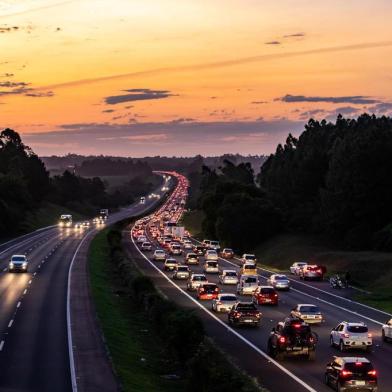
258, 102
22, 88
223, 63
108, 111
6, 29
381, 108
137, 94
353, 99
295, 35
9, 84
7, 75
273, 43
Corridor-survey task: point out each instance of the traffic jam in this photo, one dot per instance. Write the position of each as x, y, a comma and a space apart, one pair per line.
290, 327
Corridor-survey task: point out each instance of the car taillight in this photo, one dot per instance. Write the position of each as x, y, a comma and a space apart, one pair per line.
372, 373
201, 289
311, 340
345, 373
216, 290
275, 295
370, 335
296, 325
219, 303
237, 315
346, 335
282, 339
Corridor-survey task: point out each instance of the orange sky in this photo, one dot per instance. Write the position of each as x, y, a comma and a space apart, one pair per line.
201, 61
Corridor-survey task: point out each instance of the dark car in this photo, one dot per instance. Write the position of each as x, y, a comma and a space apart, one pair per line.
199, 250
292, 337
244, 313
351, 373
265, 295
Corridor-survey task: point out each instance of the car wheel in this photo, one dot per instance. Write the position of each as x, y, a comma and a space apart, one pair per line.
326, 379
384, 338
342, 348
331, 342
311, 355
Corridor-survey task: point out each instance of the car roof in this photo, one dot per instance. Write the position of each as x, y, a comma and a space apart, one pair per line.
227, 294
353, 359
266, 287
229, 270
198, 275
18, 256
307, 305
283, 275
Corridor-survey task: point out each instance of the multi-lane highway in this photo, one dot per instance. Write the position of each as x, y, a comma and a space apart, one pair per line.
248, 346
35, 328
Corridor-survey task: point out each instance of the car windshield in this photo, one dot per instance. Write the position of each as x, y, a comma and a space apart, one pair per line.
231, 274
228, 298
357, 328
361, 368
199, 278
171, 261
251, 280
310, 309
159, 252
267, 291
251, 266
297, 330
18, 258
227, 250
183, 269
280, 277
246, 307
212, 264
250, 257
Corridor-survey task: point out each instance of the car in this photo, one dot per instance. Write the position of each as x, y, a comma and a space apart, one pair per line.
211, 267
159, 255
228, 277
386, 331
195, 280
247, 284
312, 272
294, 269
85, 224
227, 253
181, 272
206, 243
188, 245
166, 243
175, 249
211, 255
146, 246
279, 282
248, 257
309, 313
244, 313
207, 291
18, 263
224, 302
292, 337
191, 258
140, 239
248, 269
265, 295
351, 373
214, 245
170, 264
348, 335
199, 250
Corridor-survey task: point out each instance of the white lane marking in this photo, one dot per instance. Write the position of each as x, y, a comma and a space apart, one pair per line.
10, 323
5, 269
1, 345
35, 273
69, 321
30, 281
246, 341
25, 291
18, 304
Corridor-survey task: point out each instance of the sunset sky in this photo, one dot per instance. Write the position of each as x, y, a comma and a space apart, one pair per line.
167, 77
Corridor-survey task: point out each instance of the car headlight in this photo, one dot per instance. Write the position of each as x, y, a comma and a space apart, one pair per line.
11, 265
24, 265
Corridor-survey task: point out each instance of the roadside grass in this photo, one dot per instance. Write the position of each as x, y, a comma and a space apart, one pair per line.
47, 215
138, 356
192, 220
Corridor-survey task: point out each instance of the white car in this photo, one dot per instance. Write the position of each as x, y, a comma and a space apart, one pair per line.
386, 331
351, 335
279, 282
211, 255
146, 246
195, 281
18, 263
141, 239
188, 244
309, 313
211, 267
224, 302
159, 255
247, 284
248, 257
294, 269
228, 277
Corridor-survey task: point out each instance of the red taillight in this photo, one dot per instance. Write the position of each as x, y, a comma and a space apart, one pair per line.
346, 335
201, 289
275, 295
282, 339
370, 335
296, 325
372, 373
345, 373
217, 289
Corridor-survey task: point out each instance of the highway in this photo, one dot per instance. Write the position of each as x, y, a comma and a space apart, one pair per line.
248, 346
34, 351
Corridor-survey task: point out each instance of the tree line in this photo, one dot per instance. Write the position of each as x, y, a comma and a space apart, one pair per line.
334, 180
25, 185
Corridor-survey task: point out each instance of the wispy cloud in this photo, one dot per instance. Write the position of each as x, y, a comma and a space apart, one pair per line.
221, 64
22, 88
138, 94
353, 99
273, 43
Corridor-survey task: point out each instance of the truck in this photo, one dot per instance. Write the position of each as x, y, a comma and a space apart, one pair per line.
104, 213
65, 220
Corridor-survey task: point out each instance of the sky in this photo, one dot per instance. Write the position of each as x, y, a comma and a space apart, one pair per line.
169, 77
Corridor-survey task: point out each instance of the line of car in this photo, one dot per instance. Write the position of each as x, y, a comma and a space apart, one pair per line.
292, 336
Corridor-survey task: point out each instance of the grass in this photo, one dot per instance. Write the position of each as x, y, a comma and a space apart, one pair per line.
47, 215
136, 353
192, 220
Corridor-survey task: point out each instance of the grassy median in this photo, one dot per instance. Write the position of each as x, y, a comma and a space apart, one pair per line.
136, 353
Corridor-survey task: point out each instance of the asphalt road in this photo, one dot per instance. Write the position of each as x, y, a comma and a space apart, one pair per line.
34, 353
248, 346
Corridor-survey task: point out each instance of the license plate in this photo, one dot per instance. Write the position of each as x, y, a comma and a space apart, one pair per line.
297, 348
310, 317
267, 300
248, 321
360, 383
